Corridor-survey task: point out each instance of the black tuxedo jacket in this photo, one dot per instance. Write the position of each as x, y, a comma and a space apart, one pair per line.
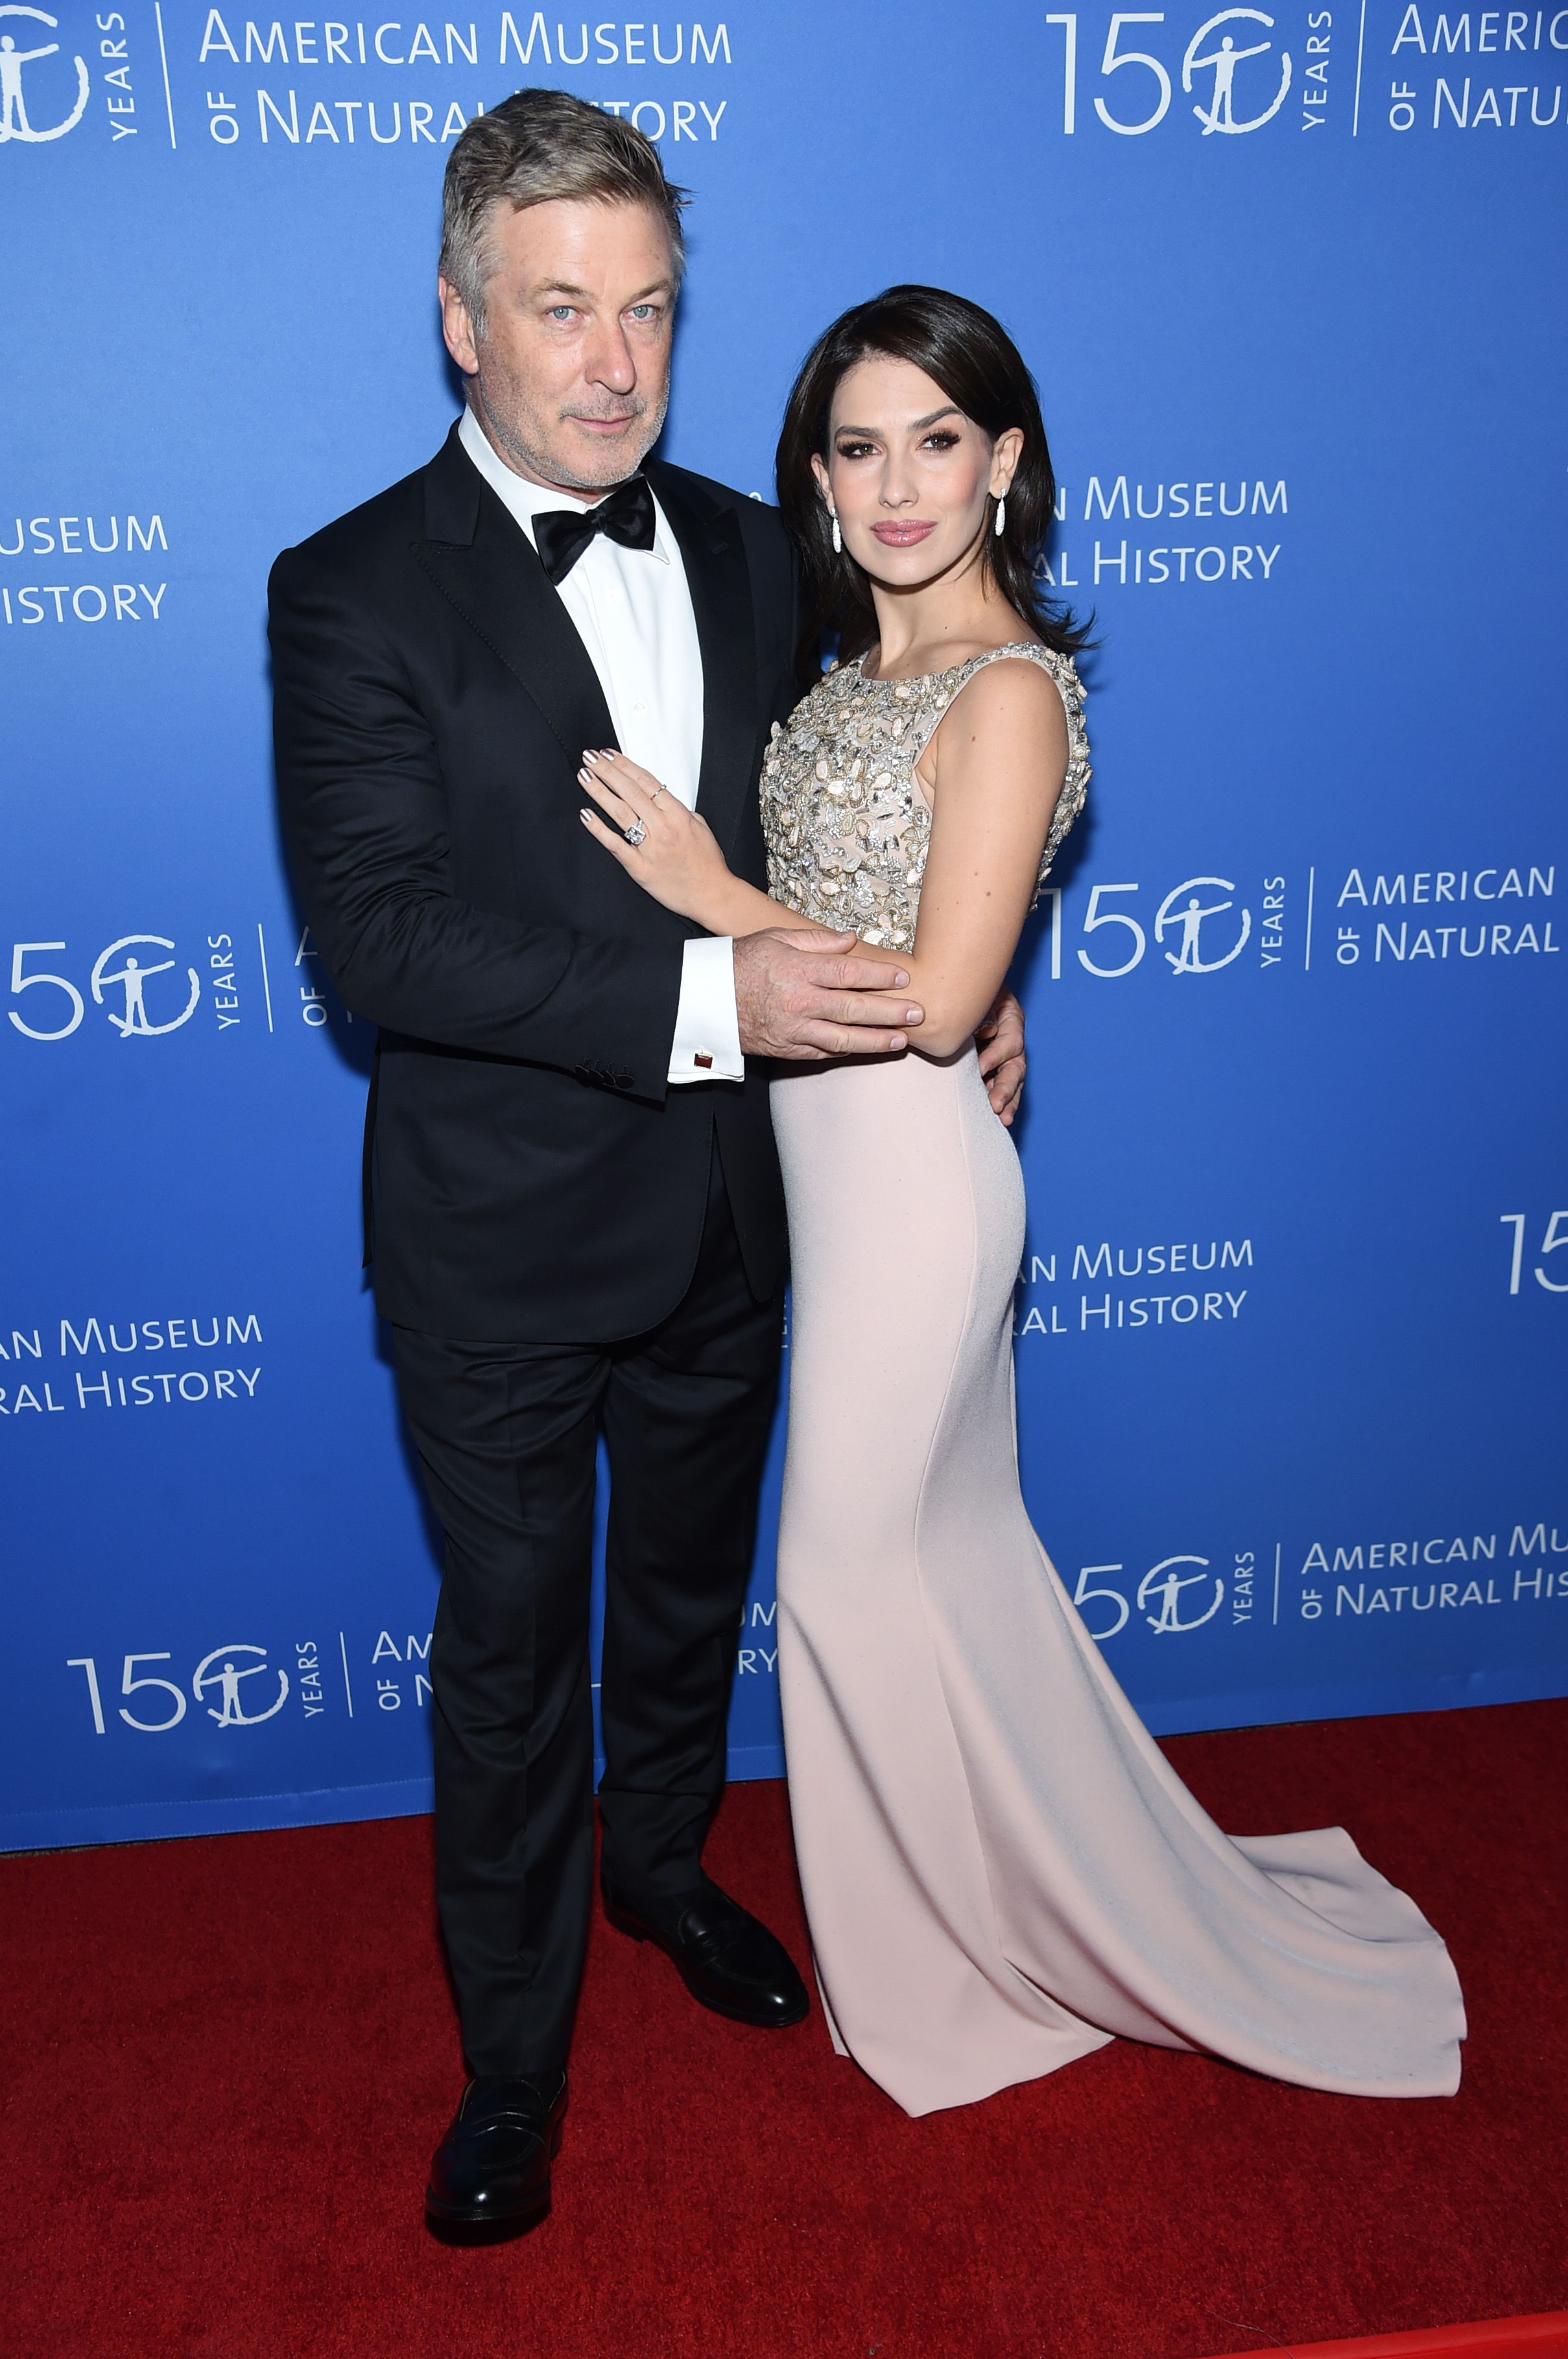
530, 1178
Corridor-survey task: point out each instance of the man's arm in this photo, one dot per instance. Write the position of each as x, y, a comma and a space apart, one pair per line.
1003, 1064
805, 995
364, 817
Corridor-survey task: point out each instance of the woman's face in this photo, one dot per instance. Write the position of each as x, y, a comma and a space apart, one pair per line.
908, 472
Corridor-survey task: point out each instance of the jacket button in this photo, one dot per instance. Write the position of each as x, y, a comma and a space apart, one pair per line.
623, 1081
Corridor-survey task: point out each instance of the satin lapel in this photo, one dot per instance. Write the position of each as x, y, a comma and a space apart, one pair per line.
500, 589
720, 585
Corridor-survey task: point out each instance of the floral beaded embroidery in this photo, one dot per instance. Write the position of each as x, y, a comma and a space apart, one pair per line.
846, 827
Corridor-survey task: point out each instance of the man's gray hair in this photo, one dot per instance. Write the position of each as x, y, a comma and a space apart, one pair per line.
536, 146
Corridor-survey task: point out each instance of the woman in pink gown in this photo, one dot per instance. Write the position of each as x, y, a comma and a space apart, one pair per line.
1001, 1870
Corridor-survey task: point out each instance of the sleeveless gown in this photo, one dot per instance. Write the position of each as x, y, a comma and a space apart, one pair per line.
1001, 1870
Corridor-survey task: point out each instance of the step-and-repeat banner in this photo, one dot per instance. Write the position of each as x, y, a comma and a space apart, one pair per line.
1290, 1324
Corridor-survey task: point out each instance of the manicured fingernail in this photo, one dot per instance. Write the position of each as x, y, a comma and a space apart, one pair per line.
914, 1014
899, 980
590, 757
586, 818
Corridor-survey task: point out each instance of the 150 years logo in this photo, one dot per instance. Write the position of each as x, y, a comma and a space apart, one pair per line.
219, 1675
1230, 69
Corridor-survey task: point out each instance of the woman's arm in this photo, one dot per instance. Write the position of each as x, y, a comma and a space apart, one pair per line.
679, 861
854, 1004
1001, 765
992, 773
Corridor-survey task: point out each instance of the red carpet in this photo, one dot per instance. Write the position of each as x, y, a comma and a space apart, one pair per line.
1544, 2337
227, 2060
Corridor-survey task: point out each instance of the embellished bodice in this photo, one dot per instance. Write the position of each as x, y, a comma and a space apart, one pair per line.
846, 824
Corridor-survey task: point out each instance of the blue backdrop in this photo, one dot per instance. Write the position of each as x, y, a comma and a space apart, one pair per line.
1290, 1328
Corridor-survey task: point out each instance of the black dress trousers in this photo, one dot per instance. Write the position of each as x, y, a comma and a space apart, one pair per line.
506, 1437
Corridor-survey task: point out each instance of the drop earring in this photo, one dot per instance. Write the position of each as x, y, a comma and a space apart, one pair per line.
837, 536
1001, 515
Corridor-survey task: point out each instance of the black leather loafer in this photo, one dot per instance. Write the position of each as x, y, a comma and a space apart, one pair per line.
727, 1960
491, 2171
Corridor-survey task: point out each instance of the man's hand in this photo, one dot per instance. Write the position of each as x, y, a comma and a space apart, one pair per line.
1002, 1061
806, 994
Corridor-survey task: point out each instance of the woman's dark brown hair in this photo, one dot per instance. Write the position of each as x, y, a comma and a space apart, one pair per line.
976, 362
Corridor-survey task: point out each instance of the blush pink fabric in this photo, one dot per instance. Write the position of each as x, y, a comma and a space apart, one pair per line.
1001, 1870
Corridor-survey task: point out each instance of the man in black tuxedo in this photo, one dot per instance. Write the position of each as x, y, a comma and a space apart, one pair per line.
572, 1201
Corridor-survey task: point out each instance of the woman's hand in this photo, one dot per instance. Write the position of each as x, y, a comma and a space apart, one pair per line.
675, 858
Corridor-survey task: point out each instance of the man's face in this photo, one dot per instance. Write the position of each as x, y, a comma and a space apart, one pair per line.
570, 374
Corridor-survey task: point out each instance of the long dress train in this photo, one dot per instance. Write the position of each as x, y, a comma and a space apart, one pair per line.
1001, 1870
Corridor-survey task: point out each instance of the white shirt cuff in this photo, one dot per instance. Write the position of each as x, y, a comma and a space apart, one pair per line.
706, 1047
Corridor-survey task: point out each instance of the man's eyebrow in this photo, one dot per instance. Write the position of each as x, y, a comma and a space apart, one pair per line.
584, 294
917, 425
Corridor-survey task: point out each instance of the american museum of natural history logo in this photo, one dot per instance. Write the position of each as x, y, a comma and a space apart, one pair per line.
30, 82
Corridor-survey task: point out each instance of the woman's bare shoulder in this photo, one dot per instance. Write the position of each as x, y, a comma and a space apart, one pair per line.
1012, 699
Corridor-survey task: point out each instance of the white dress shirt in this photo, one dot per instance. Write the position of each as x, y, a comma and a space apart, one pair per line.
631, 610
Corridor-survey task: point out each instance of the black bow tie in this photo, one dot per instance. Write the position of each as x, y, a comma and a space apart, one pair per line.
561, 535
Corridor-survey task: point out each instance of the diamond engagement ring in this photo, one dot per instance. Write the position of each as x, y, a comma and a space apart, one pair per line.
636, 832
